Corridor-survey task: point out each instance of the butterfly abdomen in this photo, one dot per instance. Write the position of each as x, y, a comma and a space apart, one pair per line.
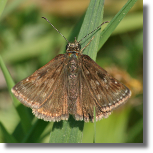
72, 78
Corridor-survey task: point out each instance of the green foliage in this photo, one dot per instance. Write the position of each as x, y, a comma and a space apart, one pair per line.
2, 6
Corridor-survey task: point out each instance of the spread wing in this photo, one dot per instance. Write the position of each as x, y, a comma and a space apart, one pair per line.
100, 90
45, 91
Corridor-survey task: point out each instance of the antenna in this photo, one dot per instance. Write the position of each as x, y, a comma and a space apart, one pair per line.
94, 30
55, 28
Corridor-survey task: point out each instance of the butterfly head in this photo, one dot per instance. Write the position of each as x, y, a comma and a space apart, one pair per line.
73, 47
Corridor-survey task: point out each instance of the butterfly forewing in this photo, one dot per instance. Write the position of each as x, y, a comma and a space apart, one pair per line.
34, 90
106, 92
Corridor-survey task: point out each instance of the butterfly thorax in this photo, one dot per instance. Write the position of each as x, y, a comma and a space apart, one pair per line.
73, 57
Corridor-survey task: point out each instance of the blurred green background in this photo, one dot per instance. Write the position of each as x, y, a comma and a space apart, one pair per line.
27, 42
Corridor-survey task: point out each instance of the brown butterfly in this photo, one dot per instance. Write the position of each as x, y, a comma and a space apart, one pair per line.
71, 83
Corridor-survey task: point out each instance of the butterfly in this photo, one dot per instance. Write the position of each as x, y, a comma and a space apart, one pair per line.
71, 83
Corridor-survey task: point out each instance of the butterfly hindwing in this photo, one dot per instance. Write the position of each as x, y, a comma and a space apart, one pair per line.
55, 108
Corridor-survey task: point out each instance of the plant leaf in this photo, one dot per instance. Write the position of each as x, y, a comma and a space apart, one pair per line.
21, 110
90, 23
2, 6
71, 131
8, 138
115, 21
94, 138
67, 131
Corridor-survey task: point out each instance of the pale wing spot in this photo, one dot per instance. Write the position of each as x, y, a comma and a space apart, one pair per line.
93, 84
121, 97
115, 82
105, 80
87, 72
97, 82
27, 79
104, 105
99, 96
110, 104
126, 91
44, 94
124, 94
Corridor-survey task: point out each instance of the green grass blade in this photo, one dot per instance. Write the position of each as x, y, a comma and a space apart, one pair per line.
135, 130
11, 7
8, 138
94, 138
21, 110
115, 21
71, 131
34, 133
9, 81
2, 6
90, 23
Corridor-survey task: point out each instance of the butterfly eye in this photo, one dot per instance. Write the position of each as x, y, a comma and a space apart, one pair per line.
79, 46
67, 46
